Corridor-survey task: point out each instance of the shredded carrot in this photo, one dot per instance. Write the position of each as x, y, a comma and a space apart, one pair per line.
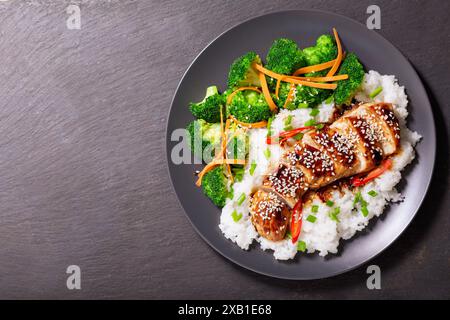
224, 144
221, 156
234, 161
289, 96
319, 85
313, 79
215, 163
288, 79
314, 68
267, 72
338, 60
231, 96
207, 168
265, 89
260, 124
222, 133
321, 79
277, 88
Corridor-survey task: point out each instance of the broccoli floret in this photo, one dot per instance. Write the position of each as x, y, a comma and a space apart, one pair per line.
209, 108
204, 135
284, 57
249, 106
243, 73
346, 89
324, 50
304, 96
215, 186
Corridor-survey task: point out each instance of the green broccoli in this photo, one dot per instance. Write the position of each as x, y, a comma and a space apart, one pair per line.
243, 73
249, 106
324, 50
209, 108
204, 135
215, 186
346, 89
284, 57
304, 96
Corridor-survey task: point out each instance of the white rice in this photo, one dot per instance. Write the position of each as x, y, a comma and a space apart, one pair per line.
324, 234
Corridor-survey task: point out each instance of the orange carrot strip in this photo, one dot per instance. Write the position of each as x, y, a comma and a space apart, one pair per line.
231, 96
234, 161
314, 68
224, 155
322, 79
280, 77
330, 86
338, 61
260, 124
265, 89
207, 168
215, 163
267, 72
277, 88
289, 96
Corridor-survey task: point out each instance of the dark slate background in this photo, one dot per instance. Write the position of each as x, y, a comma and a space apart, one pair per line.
83, 178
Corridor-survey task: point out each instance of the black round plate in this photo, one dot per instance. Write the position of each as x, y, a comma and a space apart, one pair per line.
211, 67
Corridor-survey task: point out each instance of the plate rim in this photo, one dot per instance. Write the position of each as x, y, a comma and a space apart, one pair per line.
381, 250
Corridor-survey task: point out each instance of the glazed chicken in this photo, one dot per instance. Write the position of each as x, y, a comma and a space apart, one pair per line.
355, 143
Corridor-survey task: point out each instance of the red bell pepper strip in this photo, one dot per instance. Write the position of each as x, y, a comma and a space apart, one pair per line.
296, 220
283, 136
357, 181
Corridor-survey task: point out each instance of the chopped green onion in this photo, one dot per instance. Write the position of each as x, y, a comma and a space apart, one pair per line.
329, 100
287, 123
357, 199
372, 193
320, 126
364, 210
267, 153
252, 168
315, 208
310, 122
363, 202
311, 218
241, 199
231, 193
302, 105
298, 136
376, 92
236, 217
288, 235
360, 199
314, 112
334, 214
269, 126
330, 203
288, 120
301, 246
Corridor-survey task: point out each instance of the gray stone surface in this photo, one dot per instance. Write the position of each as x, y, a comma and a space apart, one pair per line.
82, 168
